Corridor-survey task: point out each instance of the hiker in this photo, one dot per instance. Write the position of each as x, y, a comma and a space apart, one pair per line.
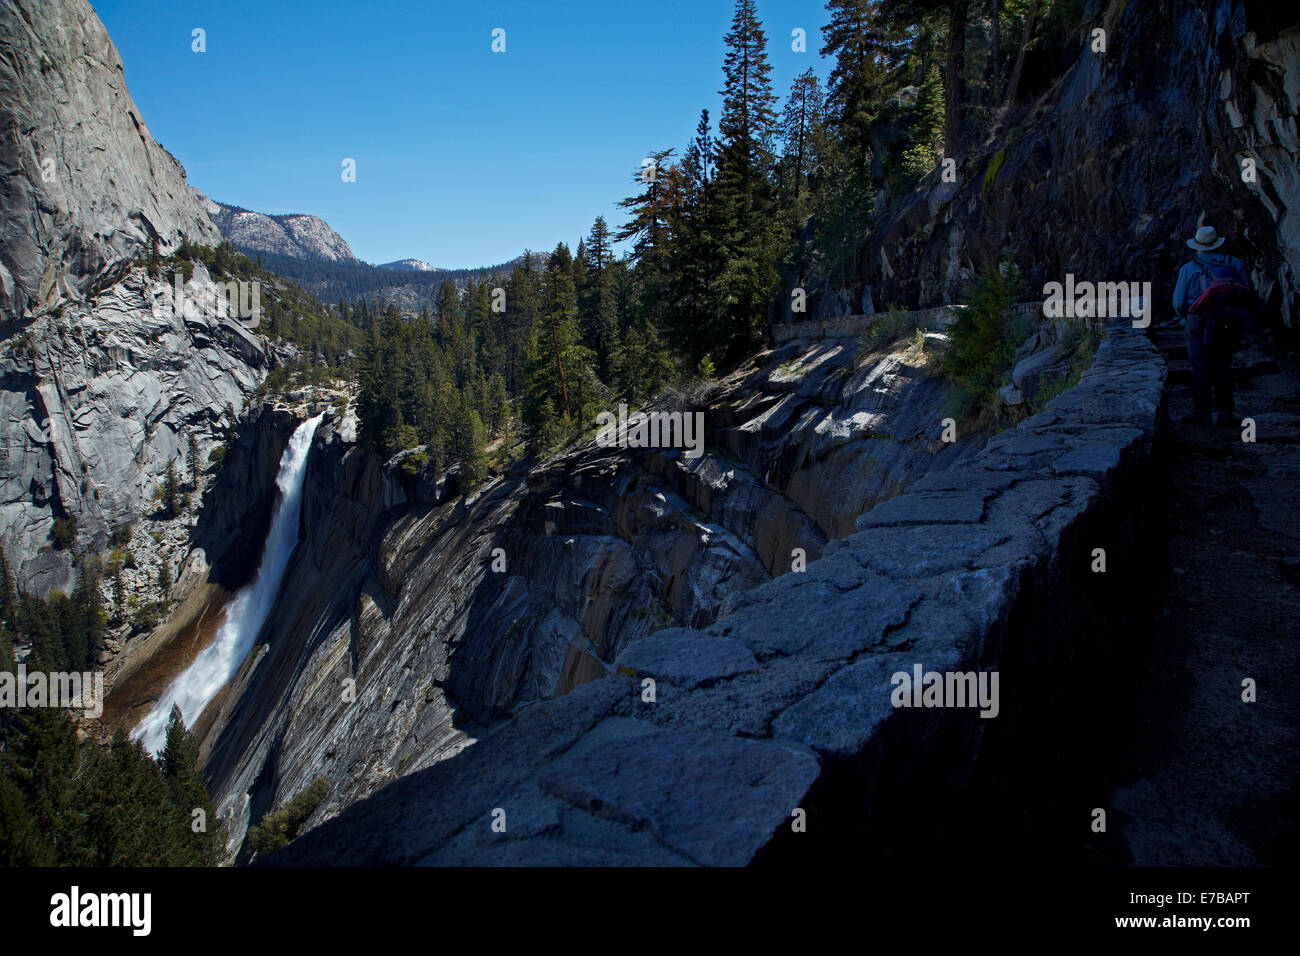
1211, 295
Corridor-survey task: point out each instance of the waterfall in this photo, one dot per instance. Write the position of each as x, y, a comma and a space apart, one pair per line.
247, 612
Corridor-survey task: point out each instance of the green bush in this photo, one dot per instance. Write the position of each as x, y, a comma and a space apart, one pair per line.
893, 324
64, 532
983, 340
412, 465
279, 827
991, 174
147, 616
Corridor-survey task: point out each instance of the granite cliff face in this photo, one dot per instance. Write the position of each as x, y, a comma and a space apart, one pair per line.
86, 187
95, 402
102, 379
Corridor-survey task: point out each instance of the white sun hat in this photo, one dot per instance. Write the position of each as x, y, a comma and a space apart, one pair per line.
1206, 239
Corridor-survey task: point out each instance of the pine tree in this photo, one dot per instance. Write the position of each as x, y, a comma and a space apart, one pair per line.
596, 301
9, 608
86, 619
195, 464
21, 841
804, 110
870, 50
560, 305
119, 595
498, 406
952, 16
171, 491
42, 762
696, 260
179, 762
129, 818
545, 421
469, 444
927, 129
748, 109
745, 194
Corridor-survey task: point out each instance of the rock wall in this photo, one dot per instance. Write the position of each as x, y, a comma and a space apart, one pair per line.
94, 403
784, 702
101, 381
1149, 137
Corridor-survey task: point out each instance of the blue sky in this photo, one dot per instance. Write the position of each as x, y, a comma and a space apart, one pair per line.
464, 156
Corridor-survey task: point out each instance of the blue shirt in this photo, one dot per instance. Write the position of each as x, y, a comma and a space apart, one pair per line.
1192, 278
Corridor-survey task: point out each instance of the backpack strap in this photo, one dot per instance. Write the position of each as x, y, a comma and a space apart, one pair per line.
1206, 277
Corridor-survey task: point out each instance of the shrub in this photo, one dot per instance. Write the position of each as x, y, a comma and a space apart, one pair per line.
413, 464
895, 322
147, 616
64, 532
279, 827
983, 340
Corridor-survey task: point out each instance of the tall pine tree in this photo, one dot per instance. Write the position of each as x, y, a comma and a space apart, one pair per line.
745, 190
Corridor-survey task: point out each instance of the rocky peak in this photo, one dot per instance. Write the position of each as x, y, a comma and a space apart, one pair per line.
296, 235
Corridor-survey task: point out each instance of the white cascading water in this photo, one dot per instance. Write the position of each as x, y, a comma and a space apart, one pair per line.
246, 613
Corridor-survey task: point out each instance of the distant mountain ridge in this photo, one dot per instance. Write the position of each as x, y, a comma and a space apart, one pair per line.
297, 235
410, 265
306, 250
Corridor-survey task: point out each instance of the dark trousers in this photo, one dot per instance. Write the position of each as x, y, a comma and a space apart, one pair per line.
1211, 372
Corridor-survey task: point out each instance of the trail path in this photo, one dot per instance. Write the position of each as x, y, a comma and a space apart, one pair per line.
1205, 778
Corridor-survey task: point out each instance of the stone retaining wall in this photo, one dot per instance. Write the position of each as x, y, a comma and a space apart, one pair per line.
936, 319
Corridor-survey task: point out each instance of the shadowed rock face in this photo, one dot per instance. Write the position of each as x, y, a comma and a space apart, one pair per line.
1107, 173
86, 187
393, 585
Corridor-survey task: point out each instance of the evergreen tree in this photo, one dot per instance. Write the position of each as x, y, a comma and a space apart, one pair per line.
597, 303
179, 762
469, 441
498, 406
696, 261
129, 819
42, 762
8, 615
745, 194
21, 841
926, 146
546, 422
119, 594
870, 50
195, 464
8, 594
171, 491
803, 113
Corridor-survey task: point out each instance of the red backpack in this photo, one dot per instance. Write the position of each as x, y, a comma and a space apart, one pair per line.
1229, 307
